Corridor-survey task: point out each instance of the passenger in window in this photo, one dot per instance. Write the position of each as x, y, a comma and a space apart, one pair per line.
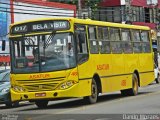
78, 43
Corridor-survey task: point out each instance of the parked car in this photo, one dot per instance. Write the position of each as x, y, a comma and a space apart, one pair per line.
5, 97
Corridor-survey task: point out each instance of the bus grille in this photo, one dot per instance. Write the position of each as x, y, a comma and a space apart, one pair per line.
41, 84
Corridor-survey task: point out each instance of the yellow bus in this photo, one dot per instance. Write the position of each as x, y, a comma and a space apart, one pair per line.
58, 58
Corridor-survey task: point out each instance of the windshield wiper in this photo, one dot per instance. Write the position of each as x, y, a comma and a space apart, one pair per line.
29, 41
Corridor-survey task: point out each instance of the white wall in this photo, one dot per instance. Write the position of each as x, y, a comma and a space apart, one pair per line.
46, 11
123, 2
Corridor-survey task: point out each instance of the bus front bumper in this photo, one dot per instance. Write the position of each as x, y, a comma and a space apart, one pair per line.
77, 90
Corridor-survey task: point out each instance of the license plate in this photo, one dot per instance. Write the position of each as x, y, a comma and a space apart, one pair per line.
40, 94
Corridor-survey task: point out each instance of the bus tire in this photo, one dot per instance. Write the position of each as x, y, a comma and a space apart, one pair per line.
41, 103
134, 90
94, 93
157, 79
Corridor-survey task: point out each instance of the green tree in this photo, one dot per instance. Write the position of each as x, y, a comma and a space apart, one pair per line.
93, 4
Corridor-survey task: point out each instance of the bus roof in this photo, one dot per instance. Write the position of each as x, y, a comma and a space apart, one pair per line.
88, 22
109, 24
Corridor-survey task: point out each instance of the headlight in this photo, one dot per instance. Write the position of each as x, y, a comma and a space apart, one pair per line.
18, 88
66, 85
5, 90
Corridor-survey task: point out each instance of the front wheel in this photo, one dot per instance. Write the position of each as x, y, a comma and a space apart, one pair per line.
41, 103
94, 93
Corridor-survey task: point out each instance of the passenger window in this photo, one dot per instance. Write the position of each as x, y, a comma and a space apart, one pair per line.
105, 33
104, 43
81, 43
92, 32
136, 35
100, 33
93, 39
105, 46
82, 48
137, 47
115, 40
145, 36
126, 41
145, 42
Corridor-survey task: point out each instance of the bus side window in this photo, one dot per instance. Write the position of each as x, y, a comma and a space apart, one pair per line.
82, 47
104, 43
80, 41
115, 40
145, 41
92, 36
137, 47
126, 41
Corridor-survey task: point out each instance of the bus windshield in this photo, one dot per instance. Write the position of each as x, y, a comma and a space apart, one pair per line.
41, 53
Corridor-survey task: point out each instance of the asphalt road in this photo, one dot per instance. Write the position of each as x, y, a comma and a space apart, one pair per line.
109, 106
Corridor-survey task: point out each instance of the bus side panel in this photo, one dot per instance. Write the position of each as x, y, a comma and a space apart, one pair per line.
100, 65
85, 74
104, 69
146, 69
146, 78
131, 62
144, 62
84, 88
119, 82
117, 64
106, 86
117, 71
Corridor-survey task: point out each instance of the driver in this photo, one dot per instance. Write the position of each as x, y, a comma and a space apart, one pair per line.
35, 54
70, 48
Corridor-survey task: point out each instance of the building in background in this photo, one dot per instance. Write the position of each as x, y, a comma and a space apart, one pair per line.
30, 9
12, 11
5, 20
136, 12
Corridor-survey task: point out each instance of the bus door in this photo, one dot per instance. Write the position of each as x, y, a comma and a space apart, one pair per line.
82, 54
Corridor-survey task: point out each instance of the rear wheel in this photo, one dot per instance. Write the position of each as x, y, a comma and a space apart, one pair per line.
41, 103
94, 93
134, 90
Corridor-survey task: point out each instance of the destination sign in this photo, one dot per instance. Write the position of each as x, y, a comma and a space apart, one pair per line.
40, 26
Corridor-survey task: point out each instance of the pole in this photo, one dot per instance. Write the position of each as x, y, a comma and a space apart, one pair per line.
79, 9
128, 8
